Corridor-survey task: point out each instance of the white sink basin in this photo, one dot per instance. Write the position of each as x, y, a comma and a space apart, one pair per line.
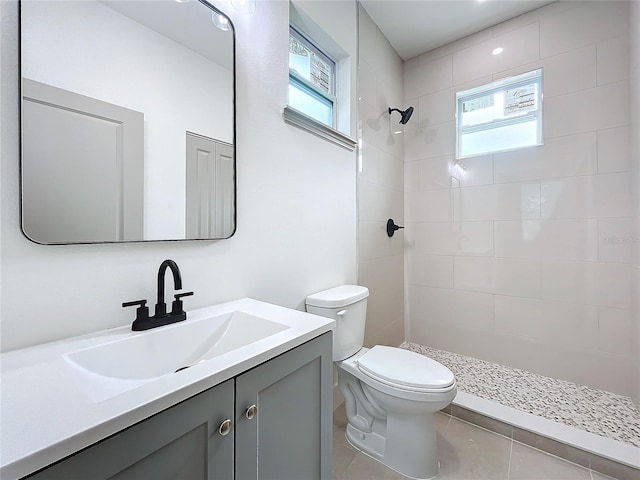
103, 382
166, 350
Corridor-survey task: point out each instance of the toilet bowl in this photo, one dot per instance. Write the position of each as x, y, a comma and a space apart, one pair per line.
390, 394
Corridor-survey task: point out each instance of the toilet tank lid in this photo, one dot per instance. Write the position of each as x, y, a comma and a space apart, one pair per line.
338, 296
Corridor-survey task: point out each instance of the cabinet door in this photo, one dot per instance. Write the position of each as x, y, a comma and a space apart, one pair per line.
182, 442
289, 438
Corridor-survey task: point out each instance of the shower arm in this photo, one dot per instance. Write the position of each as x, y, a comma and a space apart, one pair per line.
404, 115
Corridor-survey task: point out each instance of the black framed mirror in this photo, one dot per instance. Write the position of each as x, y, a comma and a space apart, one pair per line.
127, 121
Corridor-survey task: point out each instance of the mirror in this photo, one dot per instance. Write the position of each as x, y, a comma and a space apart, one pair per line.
128, 121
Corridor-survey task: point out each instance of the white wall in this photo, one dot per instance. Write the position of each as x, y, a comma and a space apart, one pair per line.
380, 184
123, 62
634, 23
296, 212
524, 260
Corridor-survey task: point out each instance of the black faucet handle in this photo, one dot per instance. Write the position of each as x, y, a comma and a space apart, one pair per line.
177, 306
142, 312
178, 296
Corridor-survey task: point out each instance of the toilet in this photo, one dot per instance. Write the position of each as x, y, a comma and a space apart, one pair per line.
390, 393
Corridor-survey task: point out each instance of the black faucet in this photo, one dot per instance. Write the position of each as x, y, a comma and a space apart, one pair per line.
161, 317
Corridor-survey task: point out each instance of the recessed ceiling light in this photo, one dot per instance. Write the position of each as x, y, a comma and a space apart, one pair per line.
497, 51
183, 1
220, 21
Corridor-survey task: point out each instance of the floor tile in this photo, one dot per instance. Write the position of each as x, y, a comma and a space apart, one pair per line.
343, 457
530, 464
365, 468
468, 452
600, 476
465, 452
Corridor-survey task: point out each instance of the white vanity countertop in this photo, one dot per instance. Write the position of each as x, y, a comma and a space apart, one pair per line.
49, 412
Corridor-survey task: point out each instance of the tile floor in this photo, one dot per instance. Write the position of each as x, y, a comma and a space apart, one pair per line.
595, 411
465, 452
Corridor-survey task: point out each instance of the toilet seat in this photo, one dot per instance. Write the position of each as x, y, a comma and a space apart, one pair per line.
404, 370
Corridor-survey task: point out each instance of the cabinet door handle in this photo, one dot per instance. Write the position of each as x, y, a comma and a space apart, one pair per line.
251, 412
225, 427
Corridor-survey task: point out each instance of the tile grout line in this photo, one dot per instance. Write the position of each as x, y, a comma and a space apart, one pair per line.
346, 470
510, 457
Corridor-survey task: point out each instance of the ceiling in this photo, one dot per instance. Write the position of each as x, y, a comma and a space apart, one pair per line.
417, 26
188, 24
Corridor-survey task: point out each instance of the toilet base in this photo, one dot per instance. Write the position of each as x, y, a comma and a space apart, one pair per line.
409, 447
394, 426
370, 443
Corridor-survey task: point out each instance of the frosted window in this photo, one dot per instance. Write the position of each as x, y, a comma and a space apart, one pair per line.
311, 79
310, 65
499, 116
307, 101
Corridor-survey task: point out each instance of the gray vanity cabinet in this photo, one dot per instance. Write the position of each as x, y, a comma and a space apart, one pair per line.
182, 442
287, 436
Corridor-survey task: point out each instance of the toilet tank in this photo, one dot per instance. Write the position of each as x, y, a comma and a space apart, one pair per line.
347, 305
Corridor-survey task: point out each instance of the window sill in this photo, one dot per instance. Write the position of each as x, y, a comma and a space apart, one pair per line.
298, 119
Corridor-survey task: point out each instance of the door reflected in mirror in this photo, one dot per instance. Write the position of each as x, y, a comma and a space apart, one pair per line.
128, 121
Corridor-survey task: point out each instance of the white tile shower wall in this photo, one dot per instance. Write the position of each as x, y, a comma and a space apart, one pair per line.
634, 239
380, 184
518, 253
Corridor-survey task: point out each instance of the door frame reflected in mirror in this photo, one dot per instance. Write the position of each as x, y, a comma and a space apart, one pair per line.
113, 130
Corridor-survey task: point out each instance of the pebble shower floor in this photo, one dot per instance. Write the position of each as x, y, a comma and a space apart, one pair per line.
595, 411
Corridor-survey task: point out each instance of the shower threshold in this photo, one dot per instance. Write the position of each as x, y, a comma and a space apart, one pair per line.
596, 429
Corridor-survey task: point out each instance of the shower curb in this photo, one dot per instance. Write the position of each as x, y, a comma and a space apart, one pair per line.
579, 456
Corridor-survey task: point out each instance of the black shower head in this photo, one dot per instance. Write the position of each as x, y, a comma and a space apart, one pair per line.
405, 115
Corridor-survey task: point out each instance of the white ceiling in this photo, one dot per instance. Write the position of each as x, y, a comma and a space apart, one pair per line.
417, 26
188, 24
